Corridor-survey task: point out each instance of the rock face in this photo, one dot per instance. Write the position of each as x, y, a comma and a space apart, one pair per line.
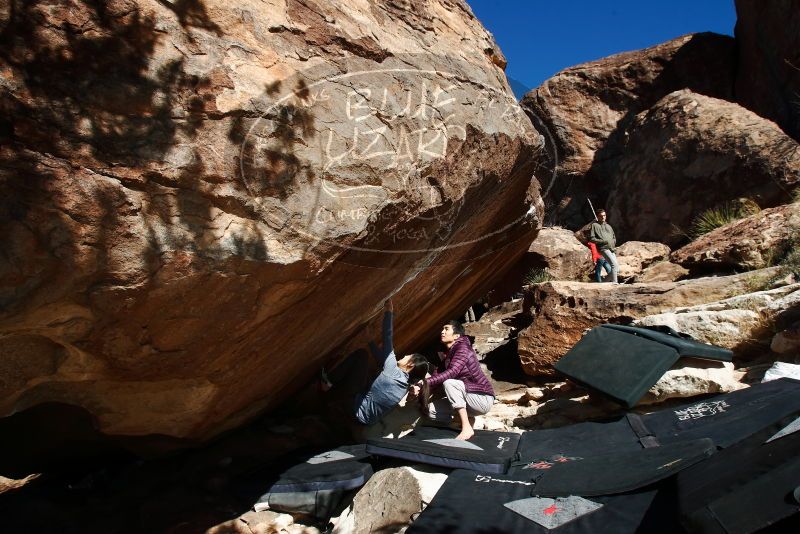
562, 311
662, 271
191, 194
690, 152
691, 377
768, 73
494, 328
735, 323
635, 256
559, 252
749, 243
586, 109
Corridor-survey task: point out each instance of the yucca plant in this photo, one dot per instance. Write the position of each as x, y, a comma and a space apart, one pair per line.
718, 216
537, 276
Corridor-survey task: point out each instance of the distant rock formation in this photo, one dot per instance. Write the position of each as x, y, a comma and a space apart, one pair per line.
587, 108
691, 152
768, 63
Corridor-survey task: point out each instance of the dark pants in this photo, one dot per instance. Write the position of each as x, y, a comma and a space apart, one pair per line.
599, 265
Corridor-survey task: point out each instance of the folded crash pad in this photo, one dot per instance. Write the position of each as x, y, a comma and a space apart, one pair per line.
487, 451
313, 484
624, 362
746, 487
609, 493
686, 346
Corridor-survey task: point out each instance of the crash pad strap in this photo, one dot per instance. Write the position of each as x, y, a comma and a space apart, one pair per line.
646, 437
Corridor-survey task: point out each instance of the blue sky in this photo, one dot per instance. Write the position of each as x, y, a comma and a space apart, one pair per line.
539, 38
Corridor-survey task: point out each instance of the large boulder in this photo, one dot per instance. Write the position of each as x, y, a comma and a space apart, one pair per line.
750, 243
691, 152
559, 252
584, 110
194, 198
562, 311
691, 377
740, 323
768, 64
635, 256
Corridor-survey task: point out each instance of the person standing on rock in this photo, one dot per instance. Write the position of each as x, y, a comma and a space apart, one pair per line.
468, 391
602, 235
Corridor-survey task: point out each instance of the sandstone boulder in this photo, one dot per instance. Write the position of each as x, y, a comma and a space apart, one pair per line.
495, 327
194, 200
558, 251
389, 499
750, 243
584, 110
768, 77
690, 377
562, 311
662, 271
735, 323
787, 341
635, 256
691, 152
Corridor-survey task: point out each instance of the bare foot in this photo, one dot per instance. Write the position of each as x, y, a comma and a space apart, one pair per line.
466, 434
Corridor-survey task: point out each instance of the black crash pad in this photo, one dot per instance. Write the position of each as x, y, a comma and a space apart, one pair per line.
747, 486
726, 419
313, 484
470, 502
685, 345
610, 493
624, 362
487, 451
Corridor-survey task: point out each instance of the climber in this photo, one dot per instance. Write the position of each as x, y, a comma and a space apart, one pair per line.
371, 398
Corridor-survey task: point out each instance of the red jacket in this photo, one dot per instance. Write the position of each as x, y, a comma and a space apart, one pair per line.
595, 255
461, 363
